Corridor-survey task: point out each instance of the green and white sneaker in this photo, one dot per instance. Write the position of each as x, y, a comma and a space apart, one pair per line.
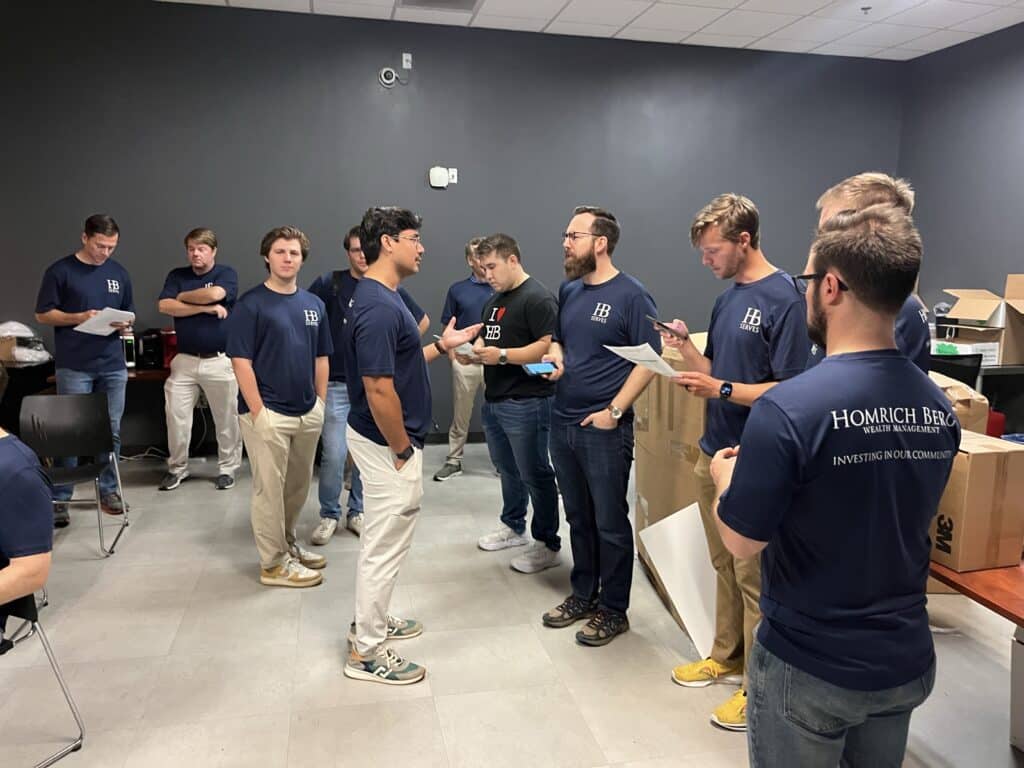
398, 629
385, 667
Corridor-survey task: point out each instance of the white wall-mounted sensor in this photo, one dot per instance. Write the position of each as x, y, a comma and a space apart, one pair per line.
438, 177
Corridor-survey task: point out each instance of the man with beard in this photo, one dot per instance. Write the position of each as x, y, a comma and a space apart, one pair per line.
757, 337
592, 422
843, 654
913, 337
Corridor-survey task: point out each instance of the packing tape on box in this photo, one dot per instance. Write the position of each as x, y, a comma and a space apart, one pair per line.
999, 505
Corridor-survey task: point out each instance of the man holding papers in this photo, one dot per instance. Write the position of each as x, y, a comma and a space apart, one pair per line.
74, 289
592, 423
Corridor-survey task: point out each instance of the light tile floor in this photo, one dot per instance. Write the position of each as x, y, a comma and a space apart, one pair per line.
178, 657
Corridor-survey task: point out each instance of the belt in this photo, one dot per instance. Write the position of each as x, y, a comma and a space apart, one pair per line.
203, 355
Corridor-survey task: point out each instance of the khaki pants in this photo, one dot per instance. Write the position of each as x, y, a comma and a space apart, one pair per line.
737, 608
216, 378
391, 504
466, 380
281, 450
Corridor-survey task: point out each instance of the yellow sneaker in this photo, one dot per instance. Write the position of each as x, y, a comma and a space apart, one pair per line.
733, 714
701, 674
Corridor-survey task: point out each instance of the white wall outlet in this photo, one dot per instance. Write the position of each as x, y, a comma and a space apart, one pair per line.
406, 61
453, 175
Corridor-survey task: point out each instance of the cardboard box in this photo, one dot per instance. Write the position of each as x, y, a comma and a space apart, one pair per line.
986, 324
980, 522
969, 405
986, 342
7, 344
669, 420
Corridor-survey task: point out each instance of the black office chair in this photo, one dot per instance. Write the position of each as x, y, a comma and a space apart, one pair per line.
64, 426
25, 608
965, 368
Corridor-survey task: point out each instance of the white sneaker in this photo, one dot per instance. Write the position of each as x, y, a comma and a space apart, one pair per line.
536, 558
308, 559
503, 538
324, 531
355, 524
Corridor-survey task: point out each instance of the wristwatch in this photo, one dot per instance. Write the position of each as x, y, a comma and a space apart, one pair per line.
406, 454
726, 391
502, 356
615, 412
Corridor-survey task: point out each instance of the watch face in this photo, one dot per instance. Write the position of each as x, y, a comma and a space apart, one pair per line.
726, 390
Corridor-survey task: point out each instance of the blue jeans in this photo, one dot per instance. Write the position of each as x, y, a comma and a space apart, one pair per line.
517, 432
593, 466
797, 719
114, 383
332, 461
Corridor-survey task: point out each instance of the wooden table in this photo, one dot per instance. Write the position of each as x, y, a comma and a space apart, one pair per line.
1000, 590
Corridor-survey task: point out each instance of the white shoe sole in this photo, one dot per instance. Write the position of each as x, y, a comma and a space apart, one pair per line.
728, 726
534, 567
179, 480
723, 680
498, 546
294, 584
358, 674
439, 479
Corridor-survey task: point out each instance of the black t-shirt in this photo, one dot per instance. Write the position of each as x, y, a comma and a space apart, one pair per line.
26, 512
513, 319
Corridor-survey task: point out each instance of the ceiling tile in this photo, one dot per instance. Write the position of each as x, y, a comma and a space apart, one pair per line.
896, 54
943, 38
677, 17
990, 22
719, 41
509, 22
527, 9
295, 6
749, 23
360, 10
633, 32
579, 28
709, 3
851, 9
939, 14
424, 16
195, 2
801, 7
840, 49
617, 12
781, 44
818, 30
883, 35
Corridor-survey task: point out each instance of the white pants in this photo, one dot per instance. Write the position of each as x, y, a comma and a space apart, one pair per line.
391, 504
216, 378
466, 381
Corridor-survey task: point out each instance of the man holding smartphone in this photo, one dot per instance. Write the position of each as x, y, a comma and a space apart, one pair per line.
518, 323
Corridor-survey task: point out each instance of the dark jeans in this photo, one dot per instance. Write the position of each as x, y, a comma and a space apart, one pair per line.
797, 719
593, 466
517, 433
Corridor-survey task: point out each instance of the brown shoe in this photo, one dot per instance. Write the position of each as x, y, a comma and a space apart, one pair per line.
604, 627
113, 504
571, 610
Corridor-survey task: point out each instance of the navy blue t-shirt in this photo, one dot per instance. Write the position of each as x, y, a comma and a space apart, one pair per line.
381, 339
203, 333
841, 471
283, 335
590, 316
465, 301
758, 333
336, 289
26, 514
71, 285
913, 337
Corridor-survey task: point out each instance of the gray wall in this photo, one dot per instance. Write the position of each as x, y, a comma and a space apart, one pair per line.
175, 116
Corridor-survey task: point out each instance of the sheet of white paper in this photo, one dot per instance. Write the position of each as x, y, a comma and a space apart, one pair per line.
644, 354
679, 552
99, 324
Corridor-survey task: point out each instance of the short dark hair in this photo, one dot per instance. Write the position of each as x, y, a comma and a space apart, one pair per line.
203, 236
354, 232
284, 233
100, 224
877, 251
605, 224
380, 221
471, 246
501, 245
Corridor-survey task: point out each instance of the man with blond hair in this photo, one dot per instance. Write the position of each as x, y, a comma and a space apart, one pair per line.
757, 337
913, 337
199, 297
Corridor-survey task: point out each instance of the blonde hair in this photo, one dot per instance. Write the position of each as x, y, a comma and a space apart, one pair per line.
870, 188
203, 236
732, 214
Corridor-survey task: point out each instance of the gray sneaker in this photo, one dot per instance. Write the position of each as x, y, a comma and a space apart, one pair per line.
61, 515
113, 504
172, 481
448, 471
502, 538
355, 524
224, 482
324, 531
536, 558
386, 667
398, 629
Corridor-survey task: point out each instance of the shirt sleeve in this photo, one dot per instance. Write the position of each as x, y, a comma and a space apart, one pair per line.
709, 346
324, 342
913, 338
450, 308
542, 316
228, 280
375, 337
789, 344
127, 301
241, 331
319, 288
410, 302
49, 292
766, 476
641, 329
558, 335
26, 525
170, 289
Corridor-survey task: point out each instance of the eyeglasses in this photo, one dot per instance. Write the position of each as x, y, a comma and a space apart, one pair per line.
412, 238
802, 282
574, 236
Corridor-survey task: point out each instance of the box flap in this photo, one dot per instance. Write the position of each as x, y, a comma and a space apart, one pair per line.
975, 442
974, 304
1014, 287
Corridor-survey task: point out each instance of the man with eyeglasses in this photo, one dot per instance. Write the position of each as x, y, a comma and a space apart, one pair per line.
834, 485
592, 421
464, 301
913, 337
335, 289
389, 390
756, 338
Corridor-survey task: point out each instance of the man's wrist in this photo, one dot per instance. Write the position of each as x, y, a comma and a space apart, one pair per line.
440, 347
405, 454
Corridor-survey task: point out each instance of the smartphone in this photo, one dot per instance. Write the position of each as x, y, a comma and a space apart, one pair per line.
668, 328
539, 369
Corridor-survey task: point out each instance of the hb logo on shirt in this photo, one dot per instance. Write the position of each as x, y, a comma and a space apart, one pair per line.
924, 315
601, 312
751, 320
312, 317
113, 286
208, 285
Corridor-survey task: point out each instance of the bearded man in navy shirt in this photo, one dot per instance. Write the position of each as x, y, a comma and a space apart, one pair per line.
834, 483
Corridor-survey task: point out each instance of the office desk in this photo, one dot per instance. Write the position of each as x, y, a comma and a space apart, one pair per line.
1000, 590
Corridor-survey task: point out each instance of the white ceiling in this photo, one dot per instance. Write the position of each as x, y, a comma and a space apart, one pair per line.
891, 29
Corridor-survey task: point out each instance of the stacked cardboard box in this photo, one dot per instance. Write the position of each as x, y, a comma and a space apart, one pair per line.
969, 405
985, 324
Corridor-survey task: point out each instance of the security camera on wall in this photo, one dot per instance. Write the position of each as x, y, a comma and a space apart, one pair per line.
438, 177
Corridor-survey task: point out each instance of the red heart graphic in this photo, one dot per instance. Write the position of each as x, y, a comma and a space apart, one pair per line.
501, 312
